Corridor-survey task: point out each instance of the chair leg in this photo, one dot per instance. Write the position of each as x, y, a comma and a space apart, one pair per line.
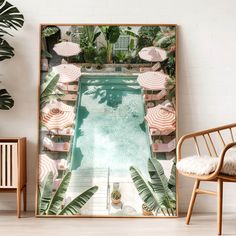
219, 205
25, 198
192, 201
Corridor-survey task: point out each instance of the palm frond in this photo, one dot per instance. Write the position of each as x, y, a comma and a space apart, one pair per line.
45, 193
6, 101
76, 204
10, 16
6, 51
56, 202
144, 189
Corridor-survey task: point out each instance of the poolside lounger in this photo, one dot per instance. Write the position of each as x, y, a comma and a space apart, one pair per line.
62, 164
164, 147
155, 67
55, 147
72, 97
155, 97
155, 132
68, 87
65, 132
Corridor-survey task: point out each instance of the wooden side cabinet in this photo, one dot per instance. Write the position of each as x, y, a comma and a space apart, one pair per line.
13, 169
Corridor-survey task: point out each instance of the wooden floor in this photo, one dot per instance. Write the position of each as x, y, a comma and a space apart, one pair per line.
201, 225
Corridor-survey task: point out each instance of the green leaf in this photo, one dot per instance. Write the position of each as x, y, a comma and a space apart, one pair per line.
56, 202
172, 179
49, 30
160, 183
6, 51
48, 88
10, 17
6, 101
45, 193
144, 189
76, 204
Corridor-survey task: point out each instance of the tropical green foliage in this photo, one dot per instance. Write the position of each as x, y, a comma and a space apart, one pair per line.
6, 102
171, 90
48, 89
111, 35
159, 192
52, 204
49, 31
10, 18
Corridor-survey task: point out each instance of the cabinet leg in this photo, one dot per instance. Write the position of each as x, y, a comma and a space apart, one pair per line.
18, 195
25, 198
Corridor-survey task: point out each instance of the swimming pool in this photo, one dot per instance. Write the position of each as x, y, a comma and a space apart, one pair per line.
110, 129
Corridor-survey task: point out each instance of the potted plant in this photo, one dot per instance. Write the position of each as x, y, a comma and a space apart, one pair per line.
10, 18
146, 210
115, 196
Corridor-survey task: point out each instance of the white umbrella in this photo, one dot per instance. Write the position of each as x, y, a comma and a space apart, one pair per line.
67, 49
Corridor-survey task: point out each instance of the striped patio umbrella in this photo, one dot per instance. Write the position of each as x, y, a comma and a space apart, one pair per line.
161, 117
67, 49
46, 164
152, 54
57, 119
152, 80
67, 72
56, 104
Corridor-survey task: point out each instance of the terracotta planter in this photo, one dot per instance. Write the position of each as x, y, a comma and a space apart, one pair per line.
115, 201
147, 213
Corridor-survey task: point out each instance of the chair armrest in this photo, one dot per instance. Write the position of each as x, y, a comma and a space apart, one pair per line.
181, 141
222, 156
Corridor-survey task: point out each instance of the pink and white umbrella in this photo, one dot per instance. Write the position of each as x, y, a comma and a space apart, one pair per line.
67, 72
46, 165
67, 49
161, 117
57, 119
152, 54
152, 80
59, 105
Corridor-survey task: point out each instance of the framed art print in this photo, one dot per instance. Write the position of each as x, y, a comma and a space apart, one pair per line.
107, 121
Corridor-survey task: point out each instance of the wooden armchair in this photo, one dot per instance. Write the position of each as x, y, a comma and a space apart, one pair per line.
216, 142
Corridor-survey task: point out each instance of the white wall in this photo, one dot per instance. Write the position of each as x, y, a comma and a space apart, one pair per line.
207, 58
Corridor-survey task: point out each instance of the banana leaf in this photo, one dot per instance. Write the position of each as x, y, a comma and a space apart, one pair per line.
144, 189
10, 17
76, 204
55, 204
45, 193
172, 179
159, 183
6, 102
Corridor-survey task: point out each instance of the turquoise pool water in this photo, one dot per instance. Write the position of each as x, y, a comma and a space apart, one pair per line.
110, 131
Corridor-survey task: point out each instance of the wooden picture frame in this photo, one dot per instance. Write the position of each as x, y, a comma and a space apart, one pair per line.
49, 151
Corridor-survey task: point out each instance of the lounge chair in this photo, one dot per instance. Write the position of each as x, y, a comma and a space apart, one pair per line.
164, 147
72, 97
155, 132
68, 87
56, 147
65, 132
155, 67
155, 97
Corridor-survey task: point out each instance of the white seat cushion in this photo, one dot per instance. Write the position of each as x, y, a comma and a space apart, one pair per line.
204, 165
